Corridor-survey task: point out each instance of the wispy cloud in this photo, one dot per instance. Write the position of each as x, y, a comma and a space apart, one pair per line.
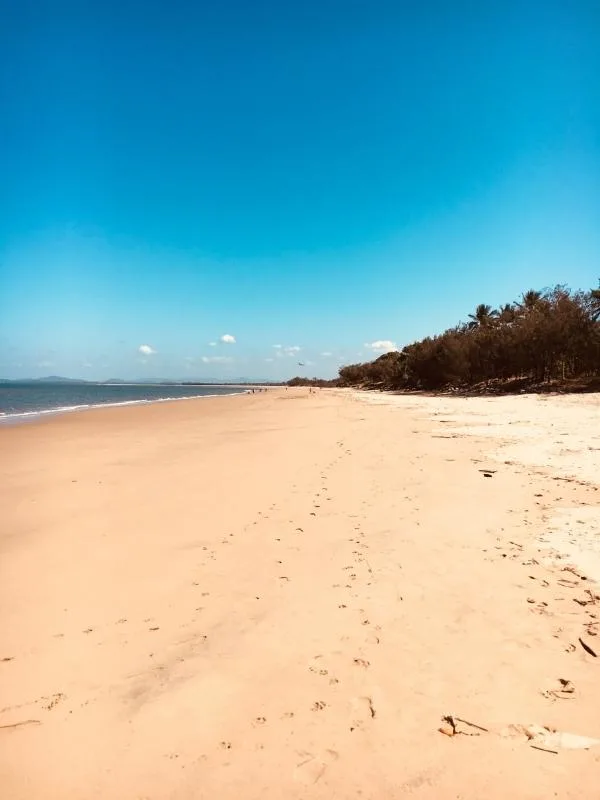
212, 344
227, 338
146, 350
216, 360
326, 354
269, 360
283, 351
381, 346
45, 363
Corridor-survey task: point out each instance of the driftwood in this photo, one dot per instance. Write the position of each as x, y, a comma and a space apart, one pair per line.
587, 648
543, 749
23, 722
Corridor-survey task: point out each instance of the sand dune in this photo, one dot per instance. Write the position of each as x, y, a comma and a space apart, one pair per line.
281, 595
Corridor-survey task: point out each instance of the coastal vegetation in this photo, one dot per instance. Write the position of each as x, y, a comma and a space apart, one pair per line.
314, 382
546, 338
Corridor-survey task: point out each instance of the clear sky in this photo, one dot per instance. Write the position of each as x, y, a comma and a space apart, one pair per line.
314, 174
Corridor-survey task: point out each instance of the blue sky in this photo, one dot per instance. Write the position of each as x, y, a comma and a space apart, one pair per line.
315, 175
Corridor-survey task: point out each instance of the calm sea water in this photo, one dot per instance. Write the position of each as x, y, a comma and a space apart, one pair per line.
20, 401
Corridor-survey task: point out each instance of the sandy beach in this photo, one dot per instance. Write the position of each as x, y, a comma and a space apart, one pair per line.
281, 595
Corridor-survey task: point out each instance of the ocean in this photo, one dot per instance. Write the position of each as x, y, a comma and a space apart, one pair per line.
20, 401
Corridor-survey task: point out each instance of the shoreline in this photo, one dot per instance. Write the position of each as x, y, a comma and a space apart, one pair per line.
20, 417
273, 597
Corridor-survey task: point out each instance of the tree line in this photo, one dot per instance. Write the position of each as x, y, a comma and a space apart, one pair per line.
546, 337
312, 382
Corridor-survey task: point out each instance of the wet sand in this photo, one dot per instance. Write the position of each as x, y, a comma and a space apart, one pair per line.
281, 595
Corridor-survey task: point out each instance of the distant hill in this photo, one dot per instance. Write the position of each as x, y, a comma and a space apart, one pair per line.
48, 379
58, 379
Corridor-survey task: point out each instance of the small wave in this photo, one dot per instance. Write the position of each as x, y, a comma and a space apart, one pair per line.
16, 416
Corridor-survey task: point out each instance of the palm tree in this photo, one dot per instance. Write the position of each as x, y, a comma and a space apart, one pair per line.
507, 313
483, 317
530, 300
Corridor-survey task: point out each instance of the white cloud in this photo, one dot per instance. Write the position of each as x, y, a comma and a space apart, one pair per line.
216, 360
282, 351
269, 359
146, 350
227, 338
45, 363
86, 364
212, 344
327, 354
382, 346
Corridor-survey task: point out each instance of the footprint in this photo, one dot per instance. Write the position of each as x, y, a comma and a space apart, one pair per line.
318, 705
316, 668
363, 711
311, 768
53, 701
